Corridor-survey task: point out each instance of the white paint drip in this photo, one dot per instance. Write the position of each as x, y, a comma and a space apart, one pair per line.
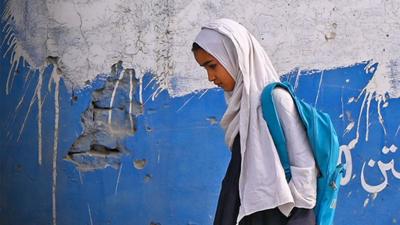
147, 86
367, 101
131, 98
185, 103
11, 75
80, 175
381, 121
55, 77
341, 116
204, 92
7, 30
366, 201
350, 100
37, 88
36, 96
121, 75
296, 83
367, 124
24, 94
141, 91
397, 131
158, 91
355, 141
348, 128
90, 214
374, 195
130, 72
319, 87
39, 121
119, 175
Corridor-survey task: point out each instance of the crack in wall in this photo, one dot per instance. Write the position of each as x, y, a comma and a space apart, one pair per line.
101, 143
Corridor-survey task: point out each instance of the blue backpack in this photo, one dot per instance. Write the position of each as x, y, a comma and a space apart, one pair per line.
324, 143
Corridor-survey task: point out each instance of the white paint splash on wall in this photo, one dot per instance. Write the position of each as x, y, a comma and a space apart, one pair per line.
348, 128
55, 77
90, 214
121, 75
156, 35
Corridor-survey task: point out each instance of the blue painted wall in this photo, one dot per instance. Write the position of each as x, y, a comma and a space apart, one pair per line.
184, 153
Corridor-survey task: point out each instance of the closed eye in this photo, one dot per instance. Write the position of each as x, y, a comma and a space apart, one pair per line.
212, 66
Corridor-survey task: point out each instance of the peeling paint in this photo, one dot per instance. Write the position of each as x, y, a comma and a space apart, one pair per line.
140, 163
147, 178
109, 119
213, 120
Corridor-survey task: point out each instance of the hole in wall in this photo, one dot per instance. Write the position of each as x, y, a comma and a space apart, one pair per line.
140, 163
109, 119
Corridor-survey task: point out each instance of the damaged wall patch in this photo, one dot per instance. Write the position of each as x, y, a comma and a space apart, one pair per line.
109, 119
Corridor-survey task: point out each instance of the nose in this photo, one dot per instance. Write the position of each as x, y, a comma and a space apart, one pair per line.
211, 76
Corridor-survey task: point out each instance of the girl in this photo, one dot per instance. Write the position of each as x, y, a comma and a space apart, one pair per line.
254, 190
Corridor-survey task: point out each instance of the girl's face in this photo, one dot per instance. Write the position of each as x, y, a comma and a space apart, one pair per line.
216, 72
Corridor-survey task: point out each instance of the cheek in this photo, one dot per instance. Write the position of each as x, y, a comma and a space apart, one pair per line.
231, 85
228, 80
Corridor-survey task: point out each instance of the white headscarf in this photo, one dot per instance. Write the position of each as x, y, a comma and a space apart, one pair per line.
245, 59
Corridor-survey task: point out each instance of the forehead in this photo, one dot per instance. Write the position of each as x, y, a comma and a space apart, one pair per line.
202, 56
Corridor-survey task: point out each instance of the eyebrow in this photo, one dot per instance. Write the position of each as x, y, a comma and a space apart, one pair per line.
204, 64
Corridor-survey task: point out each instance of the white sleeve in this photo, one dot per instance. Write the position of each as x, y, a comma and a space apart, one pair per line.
303, 184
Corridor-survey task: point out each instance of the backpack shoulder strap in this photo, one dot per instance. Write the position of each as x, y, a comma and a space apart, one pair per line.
271, 117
